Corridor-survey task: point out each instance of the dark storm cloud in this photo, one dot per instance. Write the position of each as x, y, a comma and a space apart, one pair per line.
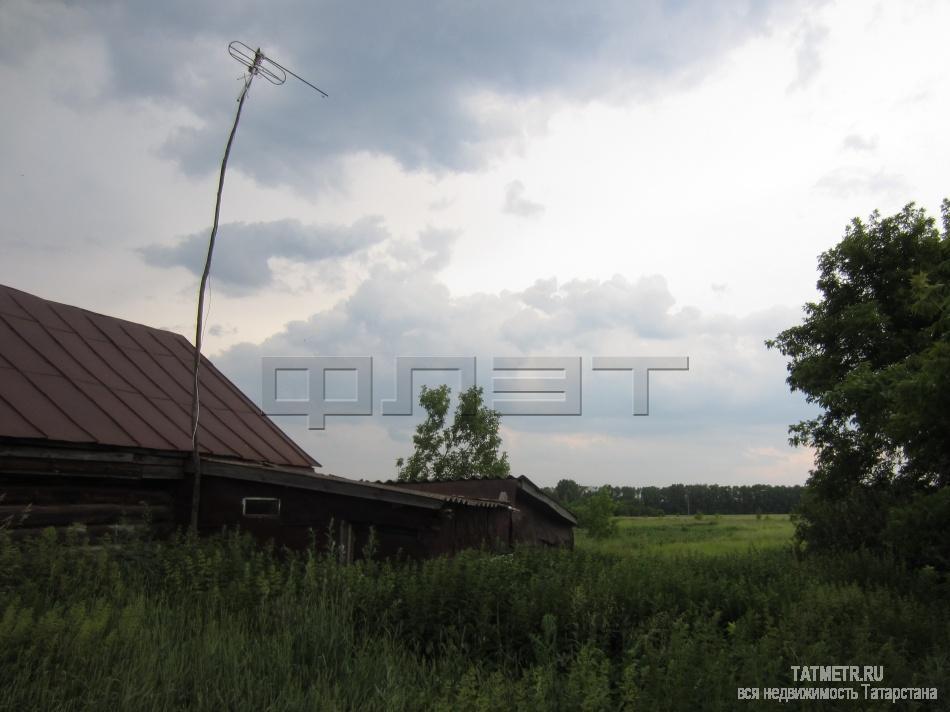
400, 75
243, 266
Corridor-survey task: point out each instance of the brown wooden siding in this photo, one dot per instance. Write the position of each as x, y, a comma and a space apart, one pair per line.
305, 520
106, 490
32, 504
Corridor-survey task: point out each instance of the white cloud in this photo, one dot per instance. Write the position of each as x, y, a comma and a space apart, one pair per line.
813, 37
517, 204
848, 181
734, 390
857, 142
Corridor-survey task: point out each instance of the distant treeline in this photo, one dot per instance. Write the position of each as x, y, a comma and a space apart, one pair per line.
686, 499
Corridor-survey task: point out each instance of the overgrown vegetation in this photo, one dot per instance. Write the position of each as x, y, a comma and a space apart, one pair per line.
221, 624
703, 534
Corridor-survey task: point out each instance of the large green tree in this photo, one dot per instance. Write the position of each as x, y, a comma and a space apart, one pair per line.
468, 447
874, 354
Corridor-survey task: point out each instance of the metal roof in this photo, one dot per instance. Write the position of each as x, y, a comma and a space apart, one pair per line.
334, 484
464, 488
70, 375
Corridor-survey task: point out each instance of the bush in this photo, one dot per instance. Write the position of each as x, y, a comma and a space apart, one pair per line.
596, 515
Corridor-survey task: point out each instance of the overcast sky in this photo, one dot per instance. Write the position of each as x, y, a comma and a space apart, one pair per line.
485, 179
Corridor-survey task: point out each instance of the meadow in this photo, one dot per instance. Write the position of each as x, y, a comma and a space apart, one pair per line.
673, 613
696, 534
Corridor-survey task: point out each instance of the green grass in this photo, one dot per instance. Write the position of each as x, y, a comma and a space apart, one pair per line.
672, 614
708, 535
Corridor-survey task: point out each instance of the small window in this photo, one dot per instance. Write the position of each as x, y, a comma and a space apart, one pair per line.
262, 507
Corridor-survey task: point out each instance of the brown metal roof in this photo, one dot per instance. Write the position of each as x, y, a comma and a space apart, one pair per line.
70, 375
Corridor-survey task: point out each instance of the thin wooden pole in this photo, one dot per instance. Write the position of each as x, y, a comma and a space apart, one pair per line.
195, 409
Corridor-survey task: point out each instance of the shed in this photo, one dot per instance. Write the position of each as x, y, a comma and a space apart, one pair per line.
95, 418
535, 517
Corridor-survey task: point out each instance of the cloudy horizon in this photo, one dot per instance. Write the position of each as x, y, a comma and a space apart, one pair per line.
487, 180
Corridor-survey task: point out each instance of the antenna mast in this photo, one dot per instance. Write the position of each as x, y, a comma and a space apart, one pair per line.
256, 64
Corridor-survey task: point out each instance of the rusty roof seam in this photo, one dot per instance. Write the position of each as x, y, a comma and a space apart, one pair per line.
118, 421
16, 410
264, 449
208, 366
69, 379
254, 409
30, 313
122, 350
181, 409
275, 430
172, 378
96, 355
154, 409
205, 367
108, 409
27, 374
261, 444
6, 320
266, 455
30, 377
98, 381
108, 339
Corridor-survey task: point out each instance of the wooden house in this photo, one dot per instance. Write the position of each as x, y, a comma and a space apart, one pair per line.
95, 429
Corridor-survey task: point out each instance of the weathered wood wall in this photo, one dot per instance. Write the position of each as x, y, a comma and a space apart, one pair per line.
32, 504
113, 491
310, 518
533, 524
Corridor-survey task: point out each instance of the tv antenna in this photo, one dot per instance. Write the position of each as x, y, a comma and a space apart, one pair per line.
255, 63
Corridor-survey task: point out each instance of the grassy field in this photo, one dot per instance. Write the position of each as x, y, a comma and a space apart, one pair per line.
704, 534
671, 614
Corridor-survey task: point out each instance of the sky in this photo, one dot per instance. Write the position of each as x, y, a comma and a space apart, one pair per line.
489, 180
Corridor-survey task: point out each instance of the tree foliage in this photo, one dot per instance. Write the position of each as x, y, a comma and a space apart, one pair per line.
874, 354
568, 491
466, 448
596, 514
672, 499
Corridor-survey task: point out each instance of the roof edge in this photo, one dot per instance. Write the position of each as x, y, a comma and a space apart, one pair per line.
332, 484
532, 490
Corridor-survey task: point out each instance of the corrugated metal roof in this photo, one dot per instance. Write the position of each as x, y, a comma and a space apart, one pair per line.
346, 486
465, 489
70, 375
